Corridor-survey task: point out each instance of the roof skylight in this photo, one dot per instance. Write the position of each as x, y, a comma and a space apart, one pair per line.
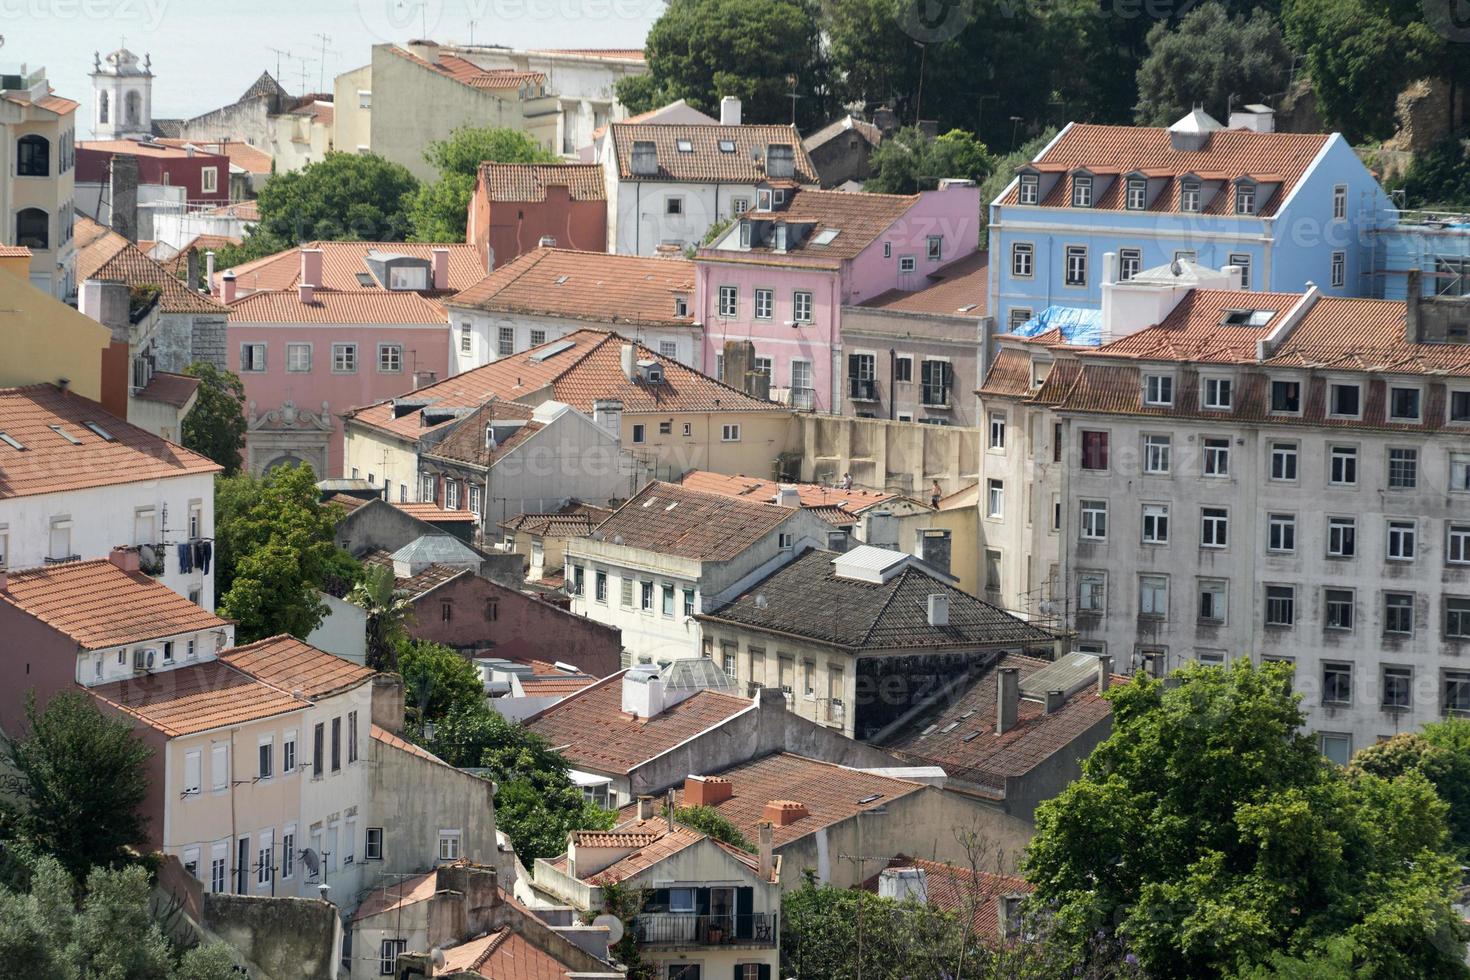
1247, 318
685, 146
11, 441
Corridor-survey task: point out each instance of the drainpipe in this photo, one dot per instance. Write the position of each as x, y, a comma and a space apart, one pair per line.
892, 375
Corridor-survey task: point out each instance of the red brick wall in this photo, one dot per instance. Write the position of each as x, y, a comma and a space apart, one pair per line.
524, 627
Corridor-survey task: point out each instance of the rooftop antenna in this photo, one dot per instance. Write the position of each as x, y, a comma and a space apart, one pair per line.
322, 68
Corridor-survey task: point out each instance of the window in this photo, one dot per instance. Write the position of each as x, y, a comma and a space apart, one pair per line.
1397, 688
298, 358
688, 602
1336, 747
1094, 520
388, 952
1242, 262
1456, 618
449, 845
1217, 457
351, 737
465, 338
935, 379
451, 494
1457, 550
217, 868
538, 337
1280, 605
1460, 406
599, 586
1283, 460
192, 776
1345, 400
1155, 523
1130, 263
1460, 471
1158, 389
209, 179
428, 484
1214, 527
288, 851
505, 342
32, 156
1398, 613
645, 596
765, 302
1286, 396
1028, 191
1022, 257
318, 749
1343, 466
1081, 191
1076, 265
1212, 600
1338, 605
1094, 450
1156, 453
372, 848
1403, 404
474, 497
1137, 197
1456, 690
1401, 540
934, 247
267, 757
1245, 199
1342, 537
673, 205
1339, 202
1019, 316
1091, 592
33, 228
801, 306
992, 571
1339, 268
730, 432
997, 430
288, 752
666, 592
390, 358
1189, 196
1403, 469
344, 358
336, 744
264, 859
252, 358
906, 263
1153, 595
738, 205
729, 301
995, 495
1218, 393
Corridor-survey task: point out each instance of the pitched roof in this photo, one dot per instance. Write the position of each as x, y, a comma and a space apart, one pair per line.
951, 888
586, 286
468, 73
398, 894
141, 148
683, 522
575, 520
244, 210
957, 289
1227, 154
293, 665
465, 442
831, 794
579, 369
74, 457
380, 734
705, 161
434, 514
368, 306
807, 598
813, 496
858, 220
590, 728
959, 733
196, 698
99, 605
342, 261
847, 124
651, 848
169, 389
527, 182
418, 585
241, 154
505, 955
14, 252
1195, 329
104, 254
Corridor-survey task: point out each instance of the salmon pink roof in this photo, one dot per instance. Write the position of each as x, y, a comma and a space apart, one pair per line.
527, 182
197, 698
293, 665
378, 307
343, 261
612, 289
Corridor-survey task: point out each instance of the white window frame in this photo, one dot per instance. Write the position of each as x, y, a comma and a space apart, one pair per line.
1130, 263
1211, 387
1214, 527
1153, 595
1339, 202
450, 840
293, 358
1093, 521
1216, 460
1288, 528
1074, 274
1350, 459
1243, 260
1081, 191
1158, 389
1028, 189
802, 306
995, 498
997, 430
1457, 543
1092, 592
1342, 536
253, 357
392, 355
730, 432
1339, 269
1332, 387
209, 180
1023, 261
728, 302
1388, 409
907, 263
1158, 452
1220, 607
1154, 520
1136, 194
765, 303
1401, 539
344, 358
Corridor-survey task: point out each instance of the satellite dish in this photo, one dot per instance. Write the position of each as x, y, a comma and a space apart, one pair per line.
310, 859
613, 925
437, 955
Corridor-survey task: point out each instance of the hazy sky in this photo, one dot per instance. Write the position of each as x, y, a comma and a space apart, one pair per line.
205, 54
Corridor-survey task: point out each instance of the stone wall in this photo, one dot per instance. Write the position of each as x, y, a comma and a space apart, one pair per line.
903, 457
279, 938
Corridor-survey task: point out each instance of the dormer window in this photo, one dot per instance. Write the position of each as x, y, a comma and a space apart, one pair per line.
1029, 189
1137, 197
727, 146
763, 199
1158, 389
1189, 197
1081, 191
681, 306
1404, 404
408, 277
745, 234
685, 146
1245, 199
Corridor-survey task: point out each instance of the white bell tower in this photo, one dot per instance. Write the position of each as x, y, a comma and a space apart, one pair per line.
122, 96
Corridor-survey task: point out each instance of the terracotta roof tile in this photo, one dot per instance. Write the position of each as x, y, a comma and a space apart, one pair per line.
1009, 374
527, 182
465, 442
652, 848
99, 605
811, 495
957, 289
403, 745
399, 894
951, 888
244, 210
241, 154
433, 513
674, 520
704, 161
14, 252
52, 463
586, 286
576, 520
858, 219
295, 666
418, 585
104, 254
468, 73
342, 261
160, 149
370, 306
1195, 329
506, 955
590, 728
197, 698
169, 389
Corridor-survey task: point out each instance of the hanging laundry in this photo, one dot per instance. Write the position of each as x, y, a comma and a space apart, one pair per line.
186, 558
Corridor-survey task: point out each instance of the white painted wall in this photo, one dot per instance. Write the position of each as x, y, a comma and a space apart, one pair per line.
485, 335
343, 630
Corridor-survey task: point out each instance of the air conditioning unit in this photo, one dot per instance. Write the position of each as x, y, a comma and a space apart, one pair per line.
143, 660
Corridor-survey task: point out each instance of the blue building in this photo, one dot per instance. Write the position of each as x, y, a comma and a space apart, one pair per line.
1437, 244
1288, 208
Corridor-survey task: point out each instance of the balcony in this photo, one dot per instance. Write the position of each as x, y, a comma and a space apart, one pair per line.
798, 399
862, 389
937, 397
63, 559
151, 559
836, 711
691, 929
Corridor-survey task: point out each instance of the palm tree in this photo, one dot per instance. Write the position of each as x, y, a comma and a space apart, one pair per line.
389, 612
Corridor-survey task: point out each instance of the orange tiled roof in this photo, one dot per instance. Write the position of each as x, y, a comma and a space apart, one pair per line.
403, 745
527, 182
704, 161
951, 888
809, 494
1194, 331
576, 519
409, 891
612, 289
687, 523
142, 148
99, 605
14, 252
468, 73
506, 955
197, 698
652, 848
104, 254
957, 289
241, 154
591, 730
377, 307
859, 220
342, 261
433, 513
178, 262
293, 665
418, 585
169, 389
52, 463
465, 442
244, 210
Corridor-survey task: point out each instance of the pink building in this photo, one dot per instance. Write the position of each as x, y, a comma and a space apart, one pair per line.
781, 274
325, 328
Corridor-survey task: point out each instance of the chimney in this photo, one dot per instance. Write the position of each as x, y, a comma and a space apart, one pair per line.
441, 268
546, 241
387, 702
125, 558
730, 111
788, 496
901, 884
426, 49
630, 365
209, 272
645, 808
1104, 673
191, 268
1110, 268
783, 812
1054, 701
707, 790
938, 609
1007, 698
311, 266
669, 809
107, 301
306, 292
123, 188
644, 162
4, 580
643, 691
227, 287
422, 379
765, 833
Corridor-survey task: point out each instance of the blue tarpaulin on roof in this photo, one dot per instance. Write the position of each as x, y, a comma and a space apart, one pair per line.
1079, 326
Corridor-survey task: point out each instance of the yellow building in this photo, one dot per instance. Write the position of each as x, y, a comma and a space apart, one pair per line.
44, 339
38, 178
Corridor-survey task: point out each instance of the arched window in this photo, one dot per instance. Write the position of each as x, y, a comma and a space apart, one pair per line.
32, 228
134, 108
32, 156
102, 108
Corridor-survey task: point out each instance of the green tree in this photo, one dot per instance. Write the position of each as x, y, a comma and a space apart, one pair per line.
1439, 177
1441, 753
703, 50
388, 612
276, 551
536, 804
909, 161
436, 681
708, 820
342, 197
79, 778
1209, 58
438, 211
1209, 834
216, 425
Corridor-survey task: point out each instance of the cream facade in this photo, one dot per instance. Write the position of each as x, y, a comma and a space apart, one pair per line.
38, 179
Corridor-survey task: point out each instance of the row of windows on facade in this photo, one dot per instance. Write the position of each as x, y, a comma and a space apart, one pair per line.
505, 340
667, 594
936, 378
1339, 605
765, 304
1191, 200
299, 358
33, 226
786, 673
1130, 264
1345, 399
33, 154
219, 757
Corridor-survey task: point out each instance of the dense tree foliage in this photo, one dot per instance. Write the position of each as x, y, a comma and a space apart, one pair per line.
1441, 754
436, 681
216, 425
909, 161
1210, 59
438, 211
275, 551
1209, 834
388, 609
1439, 177
708, 820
